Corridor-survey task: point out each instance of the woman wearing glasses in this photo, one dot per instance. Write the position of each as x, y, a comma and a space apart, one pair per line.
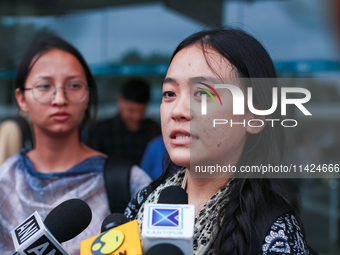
56, 88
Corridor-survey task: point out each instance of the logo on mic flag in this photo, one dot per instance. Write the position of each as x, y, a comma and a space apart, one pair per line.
165, 217
107, 242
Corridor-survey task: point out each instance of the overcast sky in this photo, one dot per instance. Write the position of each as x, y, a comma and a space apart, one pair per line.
289, 31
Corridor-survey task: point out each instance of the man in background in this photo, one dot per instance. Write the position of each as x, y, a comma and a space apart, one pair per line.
127, 134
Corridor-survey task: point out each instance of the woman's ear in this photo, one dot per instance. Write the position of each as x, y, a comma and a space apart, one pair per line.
19, 96
255, 123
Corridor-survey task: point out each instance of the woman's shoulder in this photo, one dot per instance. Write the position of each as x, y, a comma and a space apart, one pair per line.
137, 201
285, 236
89, 152
138, 179
278, 228
8, 169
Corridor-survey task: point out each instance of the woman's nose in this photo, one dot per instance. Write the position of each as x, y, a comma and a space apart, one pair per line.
60, 96
182, 110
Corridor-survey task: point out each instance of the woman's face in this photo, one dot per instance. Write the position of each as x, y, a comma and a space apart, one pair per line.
60, 116
188, 135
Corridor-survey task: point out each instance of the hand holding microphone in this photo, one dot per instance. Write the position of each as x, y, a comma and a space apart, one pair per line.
63, 223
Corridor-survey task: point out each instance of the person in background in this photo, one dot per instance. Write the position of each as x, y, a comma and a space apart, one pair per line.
55, 87
127, 134
153, 159
15, 133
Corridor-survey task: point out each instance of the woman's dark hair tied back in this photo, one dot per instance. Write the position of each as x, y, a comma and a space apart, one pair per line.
44, 44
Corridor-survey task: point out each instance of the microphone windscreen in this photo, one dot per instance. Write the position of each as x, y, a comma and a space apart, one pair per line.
68, 219
113, 220
173, 195
164, 249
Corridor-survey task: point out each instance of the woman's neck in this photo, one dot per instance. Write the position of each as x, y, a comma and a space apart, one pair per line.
57, 153
201, 190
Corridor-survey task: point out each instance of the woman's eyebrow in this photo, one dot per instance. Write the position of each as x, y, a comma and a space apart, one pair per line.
170, 80
193, 79
69, 77
74, 76
44, 77
203, 79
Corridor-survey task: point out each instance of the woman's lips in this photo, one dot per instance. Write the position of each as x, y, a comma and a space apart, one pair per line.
182, 137
60, 116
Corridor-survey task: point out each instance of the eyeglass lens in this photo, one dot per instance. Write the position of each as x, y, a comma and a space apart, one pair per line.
45, 92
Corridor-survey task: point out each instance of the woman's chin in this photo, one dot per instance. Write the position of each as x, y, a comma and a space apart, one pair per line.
180, 160
59, 132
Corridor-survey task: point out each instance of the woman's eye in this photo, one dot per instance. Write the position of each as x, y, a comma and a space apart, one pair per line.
168, 94
74, 86
200, 93
203, 92
44, 87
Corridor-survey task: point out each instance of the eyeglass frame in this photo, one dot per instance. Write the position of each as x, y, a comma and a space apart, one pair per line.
55, 92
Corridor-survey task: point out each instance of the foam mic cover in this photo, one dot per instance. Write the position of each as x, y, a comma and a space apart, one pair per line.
165, 249
173, 195
68, 219
113, 220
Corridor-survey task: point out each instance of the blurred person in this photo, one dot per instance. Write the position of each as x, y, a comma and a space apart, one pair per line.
15, 133
238, 216
127, 134
55, 87
153, 158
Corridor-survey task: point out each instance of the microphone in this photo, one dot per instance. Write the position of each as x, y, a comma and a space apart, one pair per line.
164, 249
118, 237
113, 220
173, 195
67, 220
170, 222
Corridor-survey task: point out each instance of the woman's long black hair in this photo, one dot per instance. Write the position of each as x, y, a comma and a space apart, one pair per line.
41, 46
248, 198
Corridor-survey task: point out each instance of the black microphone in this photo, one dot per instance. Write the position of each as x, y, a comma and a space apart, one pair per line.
63, 223
164, 249
113, 220
68, 219
173, 195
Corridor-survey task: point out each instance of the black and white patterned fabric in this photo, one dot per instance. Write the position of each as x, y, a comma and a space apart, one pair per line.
285, 237
284, 232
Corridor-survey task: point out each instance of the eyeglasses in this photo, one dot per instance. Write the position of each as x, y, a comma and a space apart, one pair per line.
44, 92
